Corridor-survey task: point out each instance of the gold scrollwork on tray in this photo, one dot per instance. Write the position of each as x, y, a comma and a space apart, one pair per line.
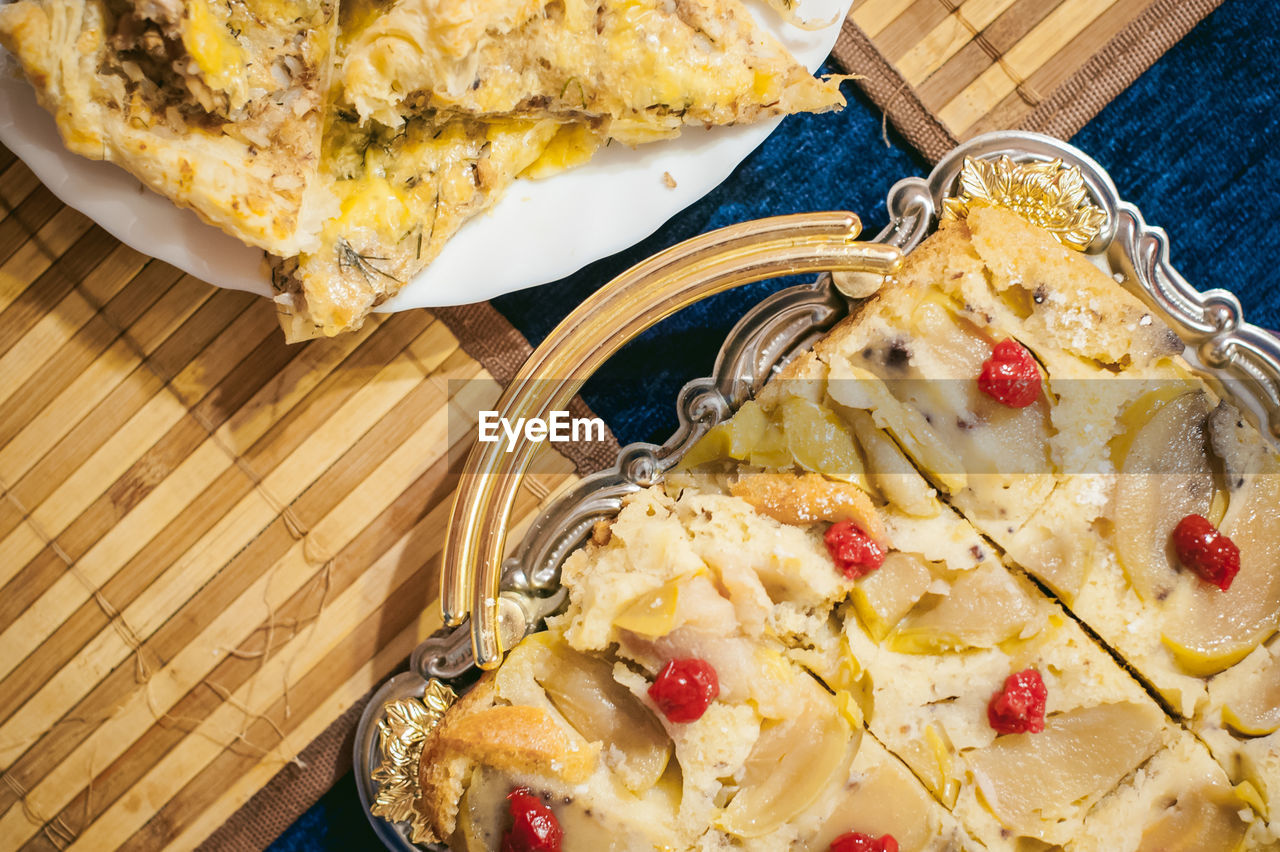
401, 733
1045, 194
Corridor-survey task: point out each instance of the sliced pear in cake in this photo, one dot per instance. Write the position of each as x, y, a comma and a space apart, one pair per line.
792, 762
1208, 628
882, 797
1166, 476
861, 557
883, 597
1250, 697
1179, 801
581, 688
1202, 819
978, 609
1241, 723
1029, 778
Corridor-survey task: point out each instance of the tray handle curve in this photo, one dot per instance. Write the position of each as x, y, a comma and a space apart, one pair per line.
617, 313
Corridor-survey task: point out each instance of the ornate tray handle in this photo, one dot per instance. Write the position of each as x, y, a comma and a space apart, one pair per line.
620, 311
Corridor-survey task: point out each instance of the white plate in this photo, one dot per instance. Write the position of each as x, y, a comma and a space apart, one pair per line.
540, 231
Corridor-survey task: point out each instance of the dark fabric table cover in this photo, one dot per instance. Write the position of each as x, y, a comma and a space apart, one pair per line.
1195, 143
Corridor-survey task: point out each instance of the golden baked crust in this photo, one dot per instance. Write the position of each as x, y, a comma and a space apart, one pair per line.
216, 106
649, 67
442, 772
997, 267
809, 498
518, 739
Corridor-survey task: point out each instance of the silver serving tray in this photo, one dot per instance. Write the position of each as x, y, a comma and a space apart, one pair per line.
1240, 359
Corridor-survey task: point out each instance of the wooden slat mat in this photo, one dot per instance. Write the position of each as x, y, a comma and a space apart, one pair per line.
211, 544
947, 70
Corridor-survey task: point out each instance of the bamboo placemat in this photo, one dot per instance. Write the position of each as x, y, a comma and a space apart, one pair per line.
946, 70
212, 545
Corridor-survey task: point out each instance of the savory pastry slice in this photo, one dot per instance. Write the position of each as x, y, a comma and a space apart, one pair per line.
399, 196
395, 196
217, 106
648, 66
1145, 502
672, 707
993, 695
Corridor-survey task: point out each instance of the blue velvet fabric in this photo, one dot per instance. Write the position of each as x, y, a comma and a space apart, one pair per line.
1195, 143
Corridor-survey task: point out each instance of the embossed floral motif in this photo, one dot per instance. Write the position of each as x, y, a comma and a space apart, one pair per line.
401, 733
1045, 194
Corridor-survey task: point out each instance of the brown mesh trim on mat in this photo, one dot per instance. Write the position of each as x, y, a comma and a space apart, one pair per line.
1117, 66
891, 93
288, 795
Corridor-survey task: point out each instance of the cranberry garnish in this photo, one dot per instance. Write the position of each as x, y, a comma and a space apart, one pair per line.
855, 553
856, 841
1210, 554
534, 828
684, 689
1018, 708
1010, 375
